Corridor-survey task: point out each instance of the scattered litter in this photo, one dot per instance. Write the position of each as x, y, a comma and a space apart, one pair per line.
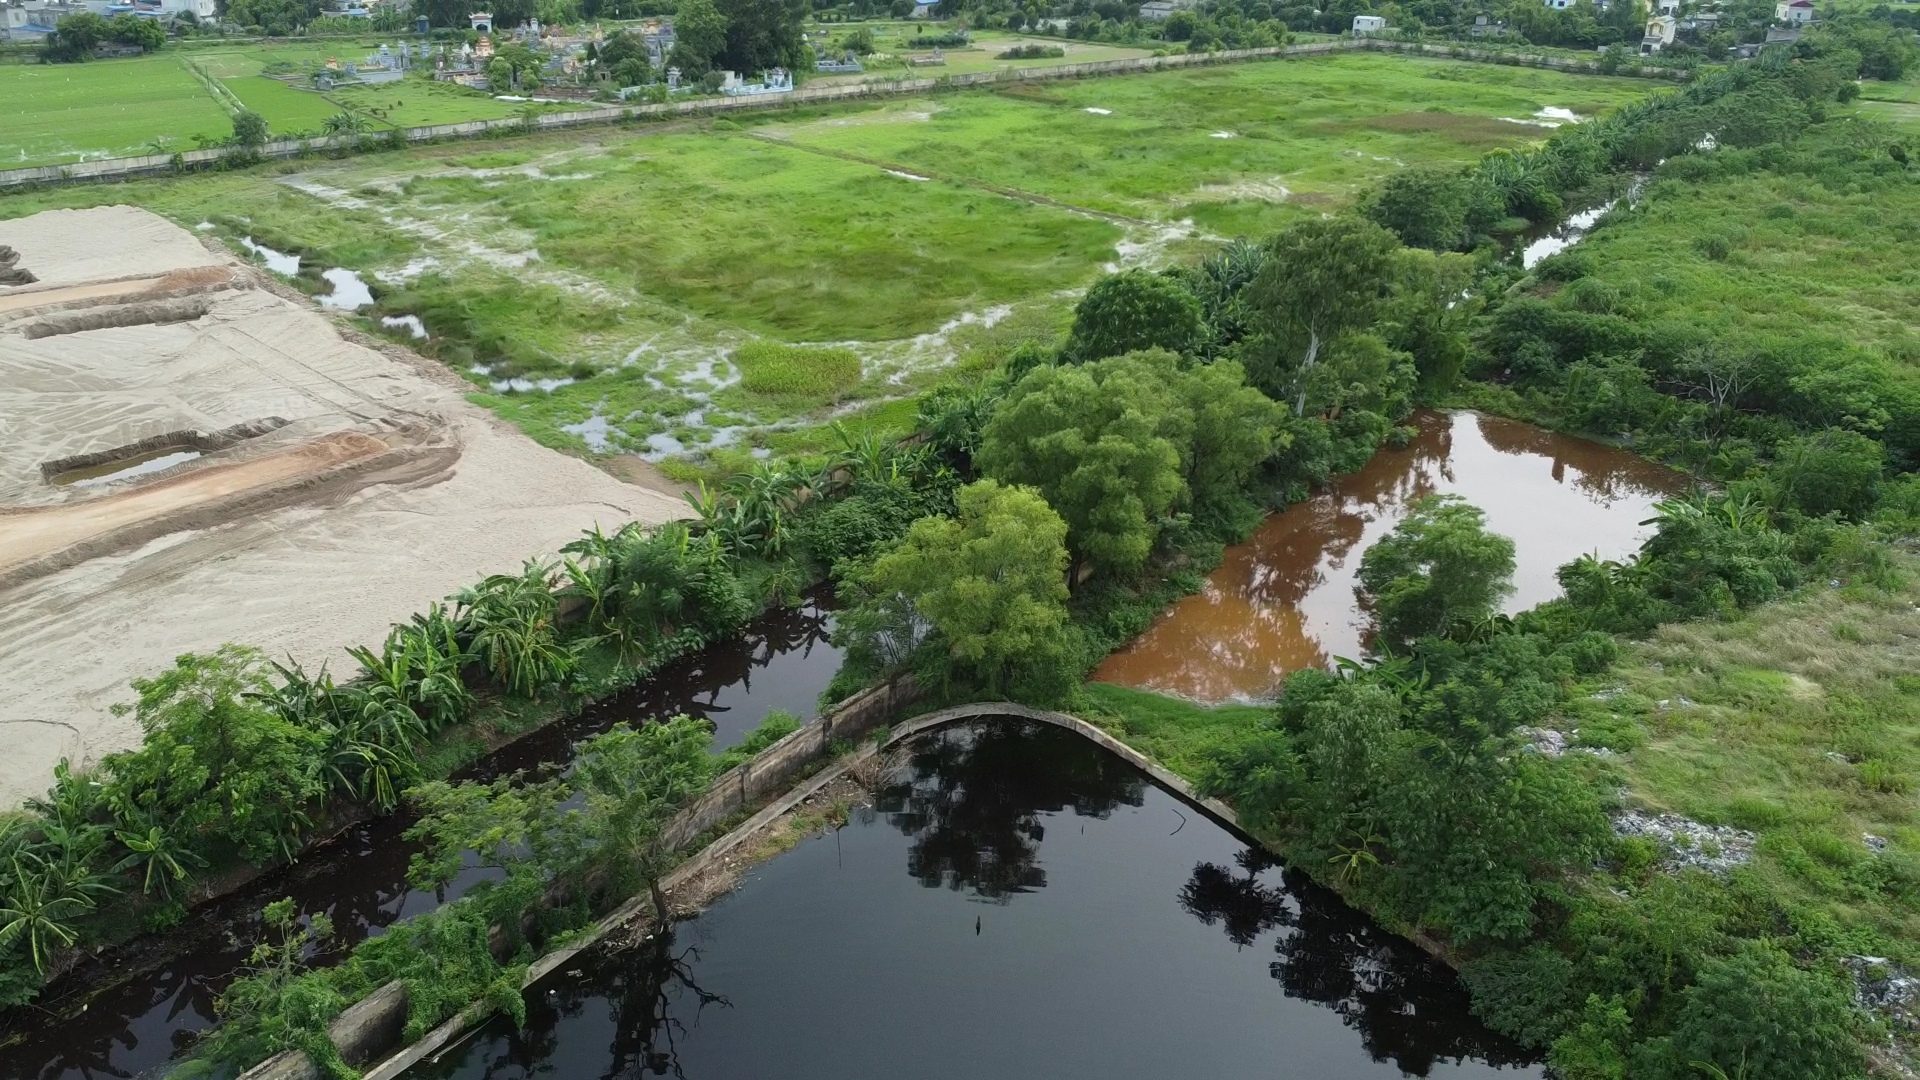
1688, 843
1885, 990
1838, 758
1222, 135
907, 175
1608, 693
206, 226
1875, 844
1544, 740
1099, 112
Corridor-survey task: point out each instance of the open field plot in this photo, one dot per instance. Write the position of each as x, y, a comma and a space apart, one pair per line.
1798, 723
1767, 255
1238, 148
288, 111
54, 113
895, 42
594, 287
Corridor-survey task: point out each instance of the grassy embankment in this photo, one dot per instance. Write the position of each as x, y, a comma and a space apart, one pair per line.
658, 254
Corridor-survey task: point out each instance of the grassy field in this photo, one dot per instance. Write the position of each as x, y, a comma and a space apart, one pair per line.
595, 287
1800, 722
1240, 149
1768, 254
50, 114
895, 42
55, 113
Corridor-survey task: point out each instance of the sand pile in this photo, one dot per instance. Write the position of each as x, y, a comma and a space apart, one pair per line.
190, 457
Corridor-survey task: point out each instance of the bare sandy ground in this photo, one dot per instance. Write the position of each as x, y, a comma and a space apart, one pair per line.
339, 486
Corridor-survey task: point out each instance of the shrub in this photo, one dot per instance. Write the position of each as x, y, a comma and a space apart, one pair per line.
1757, 1016
1438, 567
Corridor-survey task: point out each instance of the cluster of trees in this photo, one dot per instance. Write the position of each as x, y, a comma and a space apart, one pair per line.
79, 35
242, 757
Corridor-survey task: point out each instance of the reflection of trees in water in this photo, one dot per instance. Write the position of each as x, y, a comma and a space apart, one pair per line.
1245, 906
1607, 475
974, 801
1406, 1006
648, 990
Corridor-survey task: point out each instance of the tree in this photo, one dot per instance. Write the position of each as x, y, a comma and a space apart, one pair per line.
1235, 429
1322, 278
1134, 310
75, 38
761, 34
1102, 442
249, 129
1755, 1016
989, 582
700, 36
217, 759
348, 123
1439, 566
635, 780
144, 34
1426, 207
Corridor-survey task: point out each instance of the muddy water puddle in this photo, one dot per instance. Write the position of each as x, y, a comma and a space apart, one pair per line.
1284, 600
1015, 902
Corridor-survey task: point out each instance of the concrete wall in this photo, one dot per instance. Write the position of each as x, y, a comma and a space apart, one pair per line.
371, 1028
157, 164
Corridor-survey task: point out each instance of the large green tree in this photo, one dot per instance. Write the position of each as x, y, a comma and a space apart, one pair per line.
762, 34
1235, 429
1322, 278
700, 36
1437, 567
1134, 310
1103, 442
218, 762
989, 584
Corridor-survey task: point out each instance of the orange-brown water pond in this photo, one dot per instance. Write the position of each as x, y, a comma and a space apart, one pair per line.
1284, 600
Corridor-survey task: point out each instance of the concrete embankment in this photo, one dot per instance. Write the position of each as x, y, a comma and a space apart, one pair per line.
368, 1022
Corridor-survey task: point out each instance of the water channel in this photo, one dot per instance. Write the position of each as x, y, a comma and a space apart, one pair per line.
1018, 902
782, 661
1109, 935
1284, 600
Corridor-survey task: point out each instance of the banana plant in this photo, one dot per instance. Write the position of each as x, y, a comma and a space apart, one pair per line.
41, 901
160, 856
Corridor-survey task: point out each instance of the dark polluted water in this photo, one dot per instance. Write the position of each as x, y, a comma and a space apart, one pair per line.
1284, 599
781, 661
1020, 904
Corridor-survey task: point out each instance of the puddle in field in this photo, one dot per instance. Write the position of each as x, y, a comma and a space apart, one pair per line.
1223, 135
350, 293
277, 261
1284, 600
412, 324
126, 468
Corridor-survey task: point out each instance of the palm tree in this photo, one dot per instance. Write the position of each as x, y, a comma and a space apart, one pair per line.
348, 123
41, 899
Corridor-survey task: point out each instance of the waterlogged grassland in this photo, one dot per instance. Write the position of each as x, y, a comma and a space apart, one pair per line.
59, 113
1238, 148
596, 286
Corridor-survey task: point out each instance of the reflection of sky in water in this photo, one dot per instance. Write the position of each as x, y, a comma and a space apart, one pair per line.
1284, 600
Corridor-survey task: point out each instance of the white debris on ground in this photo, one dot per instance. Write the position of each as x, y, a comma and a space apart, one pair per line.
1557, 743
1886, 991
1686, 842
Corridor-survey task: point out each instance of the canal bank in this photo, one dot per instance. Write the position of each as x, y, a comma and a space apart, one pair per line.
975, 804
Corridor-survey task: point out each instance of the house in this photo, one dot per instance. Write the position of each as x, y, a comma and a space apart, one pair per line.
1782, 35
1666, 7
1660, 30
1704, 21
923, 9
481, 22
1559, 5
1485, 27
1793, 12
1157, 10
1368, 25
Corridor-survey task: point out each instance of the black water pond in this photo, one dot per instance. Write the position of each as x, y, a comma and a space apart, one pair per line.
1019, 903
782, 661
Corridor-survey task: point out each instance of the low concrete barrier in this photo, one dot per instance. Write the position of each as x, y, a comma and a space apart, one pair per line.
214, 157
371, 1028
